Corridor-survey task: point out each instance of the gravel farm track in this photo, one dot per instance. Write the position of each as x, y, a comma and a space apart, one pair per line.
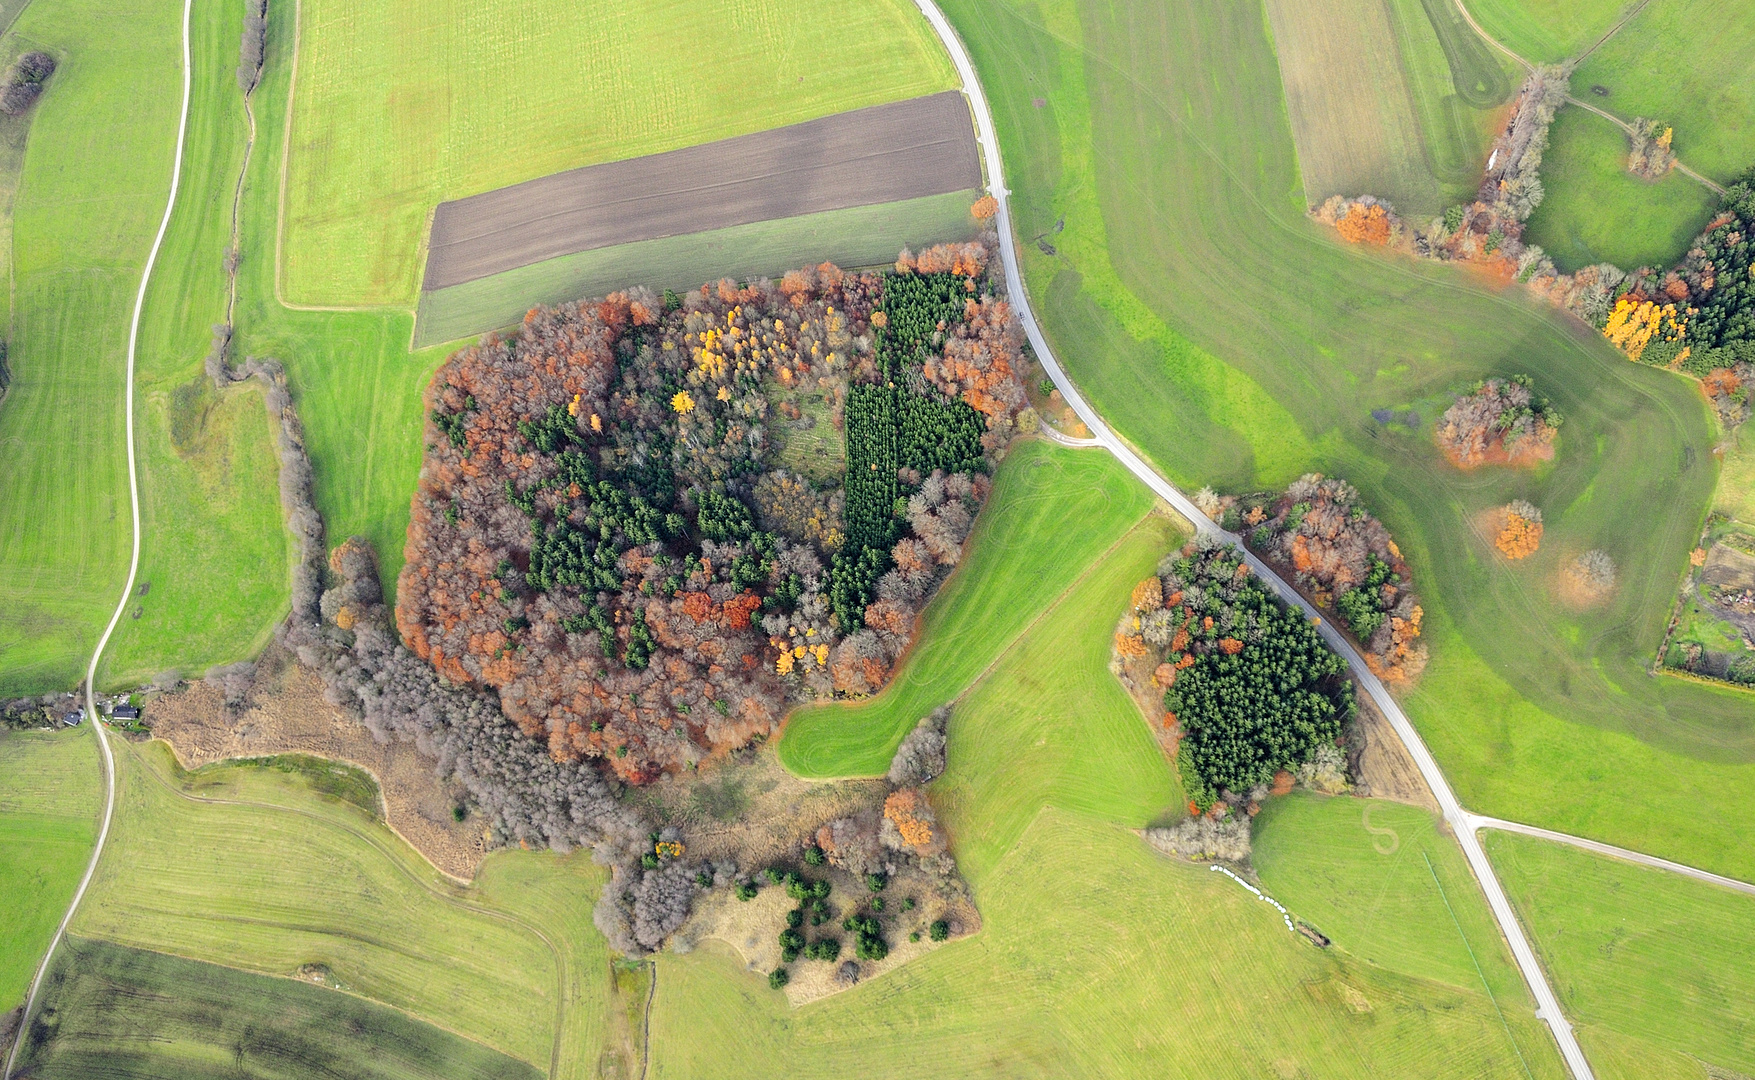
1464, 824
884, 153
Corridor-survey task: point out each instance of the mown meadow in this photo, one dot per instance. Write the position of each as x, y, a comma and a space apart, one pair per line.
51, 792
1657, 970
130, 1014
1098, 956
1239, 344
255, 869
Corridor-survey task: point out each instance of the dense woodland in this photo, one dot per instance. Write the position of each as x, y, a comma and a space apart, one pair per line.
1250, 691
603, 534
1499, 421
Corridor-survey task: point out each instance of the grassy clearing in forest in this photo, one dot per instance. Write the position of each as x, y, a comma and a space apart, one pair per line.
406, 104
1536, 711
250, 868
1632, 951
1052, 511
1596, 211
94, 178
130, 1014
1688, 63
51, 791
1548, 31
1094, 949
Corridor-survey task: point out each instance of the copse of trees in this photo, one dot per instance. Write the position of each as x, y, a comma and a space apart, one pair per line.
1345, 559
23, 82
1499, 420
1250, 682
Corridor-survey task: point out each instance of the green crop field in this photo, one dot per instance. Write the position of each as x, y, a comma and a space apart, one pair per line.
1690, 63
51, 791
1391, 99
1051, 513
93, 183
1239, 344
1596, 211
404, 105
251, 868
858, 236
1549, 31
134, 1015
1657, 971
1098, 957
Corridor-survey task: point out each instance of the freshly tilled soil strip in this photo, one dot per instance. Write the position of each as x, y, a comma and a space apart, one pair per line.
903, 150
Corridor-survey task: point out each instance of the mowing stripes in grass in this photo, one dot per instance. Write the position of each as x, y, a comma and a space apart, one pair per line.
50, 794
1194, 220
1652, 966
95, 176
130, 1014
258, 873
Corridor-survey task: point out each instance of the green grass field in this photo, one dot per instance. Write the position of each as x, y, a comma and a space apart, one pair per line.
1051, 513
1392, 99
130, 1014
1548, 31
1687, 63
1596, 211
92, 187
1098, 957
1657, 971
252, 868
859, 236
405, 105
51, 791
1190, 244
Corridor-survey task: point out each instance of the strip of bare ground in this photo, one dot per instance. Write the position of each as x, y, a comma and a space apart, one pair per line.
885, 153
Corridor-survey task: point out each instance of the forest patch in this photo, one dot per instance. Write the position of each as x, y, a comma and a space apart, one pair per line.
607, 535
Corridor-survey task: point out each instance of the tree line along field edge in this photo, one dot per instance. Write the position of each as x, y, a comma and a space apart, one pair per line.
1349, 333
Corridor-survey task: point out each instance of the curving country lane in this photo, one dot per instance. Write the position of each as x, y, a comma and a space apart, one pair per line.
1461, 821
133, 569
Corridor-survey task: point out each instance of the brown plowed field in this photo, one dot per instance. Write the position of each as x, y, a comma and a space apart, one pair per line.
907, 149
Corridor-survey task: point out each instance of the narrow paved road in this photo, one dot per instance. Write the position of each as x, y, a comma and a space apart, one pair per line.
1478, 821
1547, 1004
91, 710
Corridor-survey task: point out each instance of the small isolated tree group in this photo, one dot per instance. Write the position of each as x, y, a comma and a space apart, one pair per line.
23, 82
1649, 155
1521, 533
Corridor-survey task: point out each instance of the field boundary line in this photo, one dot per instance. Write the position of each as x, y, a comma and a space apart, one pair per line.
1547, 1003
97, 721
1597, 847
1613, 30
292, 85
402, 866
1475, 960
